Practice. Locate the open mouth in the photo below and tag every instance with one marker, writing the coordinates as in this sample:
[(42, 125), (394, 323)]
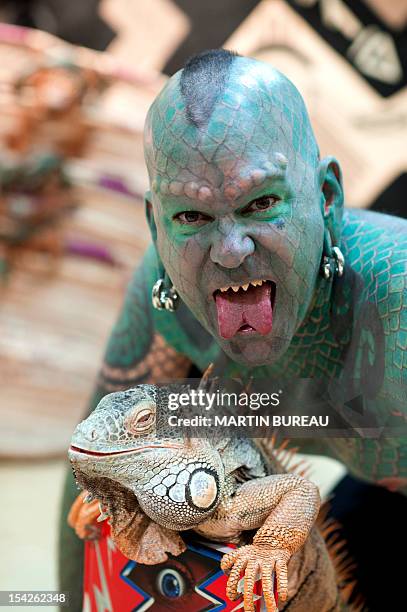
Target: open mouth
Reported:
[(245, 309)]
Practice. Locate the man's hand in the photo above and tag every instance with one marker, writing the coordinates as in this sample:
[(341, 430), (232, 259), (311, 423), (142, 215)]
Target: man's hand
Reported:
[(83, 517)]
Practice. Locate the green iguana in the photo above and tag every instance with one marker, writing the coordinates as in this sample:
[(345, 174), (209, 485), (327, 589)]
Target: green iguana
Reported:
[(153, 487)]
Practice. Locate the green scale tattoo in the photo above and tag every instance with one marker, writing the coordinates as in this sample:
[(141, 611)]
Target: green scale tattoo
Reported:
[(239, 195)]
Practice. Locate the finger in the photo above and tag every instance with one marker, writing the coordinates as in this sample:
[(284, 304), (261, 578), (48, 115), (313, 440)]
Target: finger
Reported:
[(234, 578), (249, 581), (267, 580), (282, 580), (87, 515), (75, 509), (90, 512), (228, 560)]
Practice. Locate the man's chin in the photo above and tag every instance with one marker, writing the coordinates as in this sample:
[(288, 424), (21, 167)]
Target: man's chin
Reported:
[(254, 351)]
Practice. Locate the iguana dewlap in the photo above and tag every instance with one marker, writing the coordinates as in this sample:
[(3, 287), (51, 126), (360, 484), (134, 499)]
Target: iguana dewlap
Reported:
[(152, 488)]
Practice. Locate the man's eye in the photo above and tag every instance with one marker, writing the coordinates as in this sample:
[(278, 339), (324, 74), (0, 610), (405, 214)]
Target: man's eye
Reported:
[(192, 217), (261, 204)]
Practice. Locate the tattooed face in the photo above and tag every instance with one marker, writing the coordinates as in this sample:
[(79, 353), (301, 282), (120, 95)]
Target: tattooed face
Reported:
[(235, 208)]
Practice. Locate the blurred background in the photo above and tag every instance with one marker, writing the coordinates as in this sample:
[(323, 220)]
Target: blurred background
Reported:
[(76, 80)]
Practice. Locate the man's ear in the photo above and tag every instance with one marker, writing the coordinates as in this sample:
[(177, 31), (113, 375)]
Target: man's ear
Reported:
[(330, 184), (150, 216)]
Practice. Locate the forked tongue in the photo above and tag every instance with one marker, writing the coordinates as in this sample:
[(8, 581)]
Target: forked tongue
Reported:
[(252, 307)]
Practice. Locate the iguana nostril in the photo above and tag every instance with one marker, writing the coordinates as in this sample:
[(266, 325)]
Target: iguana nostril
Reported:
[(92, 435)]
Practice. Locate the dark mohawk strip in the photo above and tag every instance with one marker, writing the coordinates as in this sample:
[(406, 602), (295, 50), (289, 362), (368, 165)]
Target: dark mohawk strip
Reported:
[(203, 80)]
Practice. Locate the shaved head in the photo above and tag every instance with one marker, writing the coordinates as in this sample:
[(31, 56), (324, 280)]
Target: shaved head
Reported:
[(203, 80), (219, 94)]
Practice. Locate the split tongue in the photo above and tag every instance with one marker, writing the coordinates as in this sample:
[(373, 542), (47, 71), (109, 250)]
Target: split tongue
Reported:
[(251, 307)]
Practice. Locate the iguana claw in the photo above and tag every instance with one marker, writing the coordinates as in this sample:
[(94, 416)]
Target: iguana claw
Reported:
[(249, 560)]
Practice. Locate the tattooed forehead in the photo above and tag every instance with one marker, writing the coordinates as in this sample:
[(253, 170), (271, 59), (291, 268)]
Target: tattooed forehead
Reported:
[(236, 182), (258, 126)]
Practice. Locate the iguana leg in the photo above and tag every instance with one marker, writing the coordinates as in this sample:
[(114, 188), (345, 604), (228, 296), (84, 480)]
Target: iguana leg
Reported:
[(286, 506)]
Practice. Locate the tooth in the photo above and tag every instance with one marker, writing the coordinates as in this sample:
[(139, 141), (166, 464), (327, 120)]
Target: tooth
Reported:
[(260, 282), (254, 283), (236, 288), (223, 289), (245, 287)]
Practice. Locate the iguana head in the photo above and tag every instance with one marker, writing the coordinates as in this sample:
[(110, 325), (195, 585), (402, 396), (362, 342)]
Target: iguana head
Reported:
[(178, 482)]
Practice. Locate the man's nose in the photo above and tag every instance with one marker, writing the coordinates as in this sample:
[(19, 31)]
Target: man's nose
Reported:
[(231, 245)]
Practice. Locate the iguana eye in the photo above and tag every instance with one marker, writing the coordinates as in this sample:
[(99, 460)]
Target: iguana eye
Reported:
[(142, 417)]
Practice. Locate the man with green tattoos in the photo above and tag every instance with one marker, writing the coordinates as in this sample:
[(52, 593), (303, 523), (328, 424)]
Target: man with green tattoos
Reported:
[(256, 266)]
